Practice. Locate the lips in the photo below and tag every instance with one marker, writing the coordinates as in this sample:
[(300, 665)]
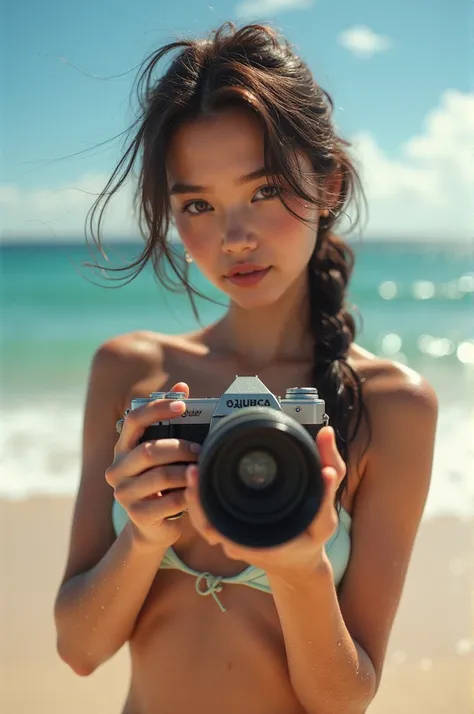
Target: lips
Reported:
[(245, 269), (247, 275)]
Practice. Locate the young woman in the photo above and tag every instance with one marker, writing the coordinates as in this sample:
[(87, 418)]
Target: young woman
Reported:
[(237, 149)]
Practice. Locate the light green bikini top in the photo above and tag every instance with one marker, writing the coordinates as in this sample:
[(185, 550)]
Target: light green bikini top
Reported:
[(338, 549)]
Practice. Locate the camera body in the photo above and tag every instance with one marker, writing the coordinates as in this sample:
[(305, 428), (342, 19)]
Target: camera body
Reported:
[(202, 415), (259, 468)]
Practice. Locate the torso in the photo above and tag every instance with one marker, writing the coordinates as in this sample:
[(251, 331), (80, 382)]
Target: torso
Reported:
[(186, 654)]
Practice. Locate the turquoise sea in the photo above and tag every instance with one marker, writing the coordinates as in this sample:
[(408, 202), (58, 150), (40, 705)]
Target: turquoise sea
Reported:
[(416, 305)]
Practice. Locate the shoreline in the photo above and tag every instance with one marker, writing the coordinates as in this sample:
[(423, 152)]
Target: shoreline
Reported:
[(428, 669)]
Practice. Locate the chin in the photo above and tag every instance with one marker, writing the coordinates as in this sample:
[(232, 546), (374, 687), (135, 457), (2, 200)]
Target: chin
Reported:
[(255, 298)]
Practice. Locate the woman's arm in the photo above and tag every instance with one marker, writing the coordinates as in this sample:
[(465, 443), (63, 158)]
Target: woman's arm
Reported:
[(106, 580), (336, 647), (329, 671), (96, 611)]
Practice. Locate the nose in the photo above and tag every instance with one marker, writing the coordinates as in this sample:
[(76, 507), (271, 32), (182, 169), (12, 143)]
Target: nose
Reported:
[(238, 237)]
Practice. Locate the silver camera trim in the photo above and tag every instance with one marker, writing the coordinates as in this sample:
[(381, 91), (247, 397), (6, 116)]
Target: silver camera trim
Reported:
[(301, 403)]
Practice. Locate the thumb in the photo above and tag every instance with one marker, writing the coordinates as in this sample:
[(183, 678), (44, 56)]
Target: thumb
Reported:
[(181, 387), (325, 444)]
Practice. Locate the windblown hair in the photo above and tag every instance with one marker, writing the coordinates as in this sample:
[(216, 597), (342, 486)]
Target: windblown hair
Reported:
[(251, 68)]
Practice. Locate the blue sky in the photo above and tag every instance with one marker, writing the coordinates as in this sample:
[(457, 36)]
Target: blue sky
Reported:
[(398, 74)]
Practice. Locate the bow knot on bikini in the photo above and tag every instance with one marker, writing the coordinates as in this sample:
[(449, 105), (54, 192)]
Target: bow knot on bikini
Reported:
[(213, 586)]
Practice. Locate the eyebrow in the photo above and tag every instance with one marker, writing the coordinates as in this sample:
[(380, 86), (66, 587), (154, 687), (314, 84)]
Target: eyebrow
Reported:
[(192, 188)]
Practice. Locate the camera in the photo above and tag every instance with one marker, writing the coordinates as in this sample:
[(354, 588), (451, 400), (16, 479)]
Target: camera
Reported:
[(259, 468)]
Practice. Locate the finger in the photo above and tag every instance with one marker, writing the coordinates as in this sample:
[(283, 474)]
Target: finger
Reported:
[(135, 423), (330, 456), (330, 480), (150, 483), (150, 454), (152, 511), (139, 419), (181, 387), (325, 443), (326, 516), (195, 510), (157, 453)]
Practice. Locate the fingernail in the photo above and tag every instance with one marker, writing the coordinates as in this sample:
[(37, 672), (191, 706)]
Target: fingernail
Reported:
[(195, 448), (177, 406)]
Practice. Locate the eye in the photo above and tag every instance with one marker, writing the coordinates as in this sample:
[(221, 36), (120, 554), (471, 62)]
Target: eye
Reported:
[(201, 206), (198, 204), (271, 192)]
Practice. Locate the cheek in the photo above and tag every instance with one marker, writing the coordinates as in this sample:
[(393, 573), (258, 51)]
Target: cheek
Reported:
[(194, 237), (294, 238)]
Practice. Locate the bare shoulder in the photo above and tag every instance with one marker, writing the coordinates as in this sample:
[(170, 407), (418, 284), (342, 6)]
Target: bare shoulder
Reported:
[(132, 349), (387, 383), (401, 405), (143, 360), (146, 347)]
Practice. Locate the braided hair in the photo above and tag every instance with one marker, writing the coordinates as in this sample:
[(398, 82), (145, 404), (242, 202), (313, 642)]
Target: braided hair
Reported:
[(333, 330)]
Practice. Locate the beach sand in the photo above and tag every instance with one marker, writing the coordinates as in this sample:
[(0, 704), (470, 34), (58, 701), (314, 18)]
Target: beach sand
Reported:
[(429, 668)]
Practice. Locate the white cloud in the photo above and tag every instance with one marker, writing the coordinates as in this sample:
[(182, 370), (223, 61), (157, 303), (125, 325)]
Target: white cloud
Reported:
[(50, 214), (258, 8), (425, 192), (363, 42)]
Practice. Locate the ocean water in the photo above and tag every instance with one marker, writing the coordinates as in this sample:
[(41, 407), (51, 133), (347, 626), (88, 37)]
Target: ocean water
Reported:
[(416, 305)]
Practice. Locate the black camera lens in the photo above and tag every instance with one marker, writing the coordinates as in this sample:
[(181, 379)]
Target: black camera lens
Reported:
[(260, 477)]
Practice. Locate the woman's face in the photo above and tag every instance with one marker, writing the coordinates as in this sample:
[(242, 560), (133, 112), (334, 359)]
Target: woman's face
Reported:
[(228, 223)]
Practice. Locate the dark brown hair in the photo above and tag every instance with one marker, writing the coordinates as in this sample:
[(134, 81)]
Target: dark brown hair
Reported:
[(251, 67)]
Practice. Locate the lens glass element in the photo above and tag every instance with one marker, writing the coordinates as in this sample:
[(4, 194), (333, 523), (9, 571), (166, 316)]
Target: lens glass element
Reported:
[(257, 469)]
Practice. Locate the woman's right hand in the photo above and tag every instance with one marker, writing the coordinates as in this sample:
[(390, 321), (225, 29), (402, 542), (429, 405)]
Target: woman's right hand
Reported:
[(140, 472)]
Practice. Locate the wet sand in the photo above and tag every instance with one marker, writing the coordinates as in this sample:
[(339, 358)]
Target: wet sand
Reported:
[(430, 662)]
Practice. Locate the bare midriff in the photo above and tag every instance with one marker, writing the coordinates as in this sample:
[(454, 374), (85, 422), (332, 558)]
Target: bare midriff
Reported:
[(188, 656)]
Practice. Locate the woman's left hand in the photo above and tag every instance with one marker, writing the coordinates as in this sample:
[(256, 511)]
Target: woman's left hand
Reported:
[(300, 555)]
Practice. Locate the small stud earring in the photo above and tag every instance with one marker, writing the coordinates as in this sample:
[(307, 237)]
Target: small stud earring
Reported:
[(325, 213), (187, 257)]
